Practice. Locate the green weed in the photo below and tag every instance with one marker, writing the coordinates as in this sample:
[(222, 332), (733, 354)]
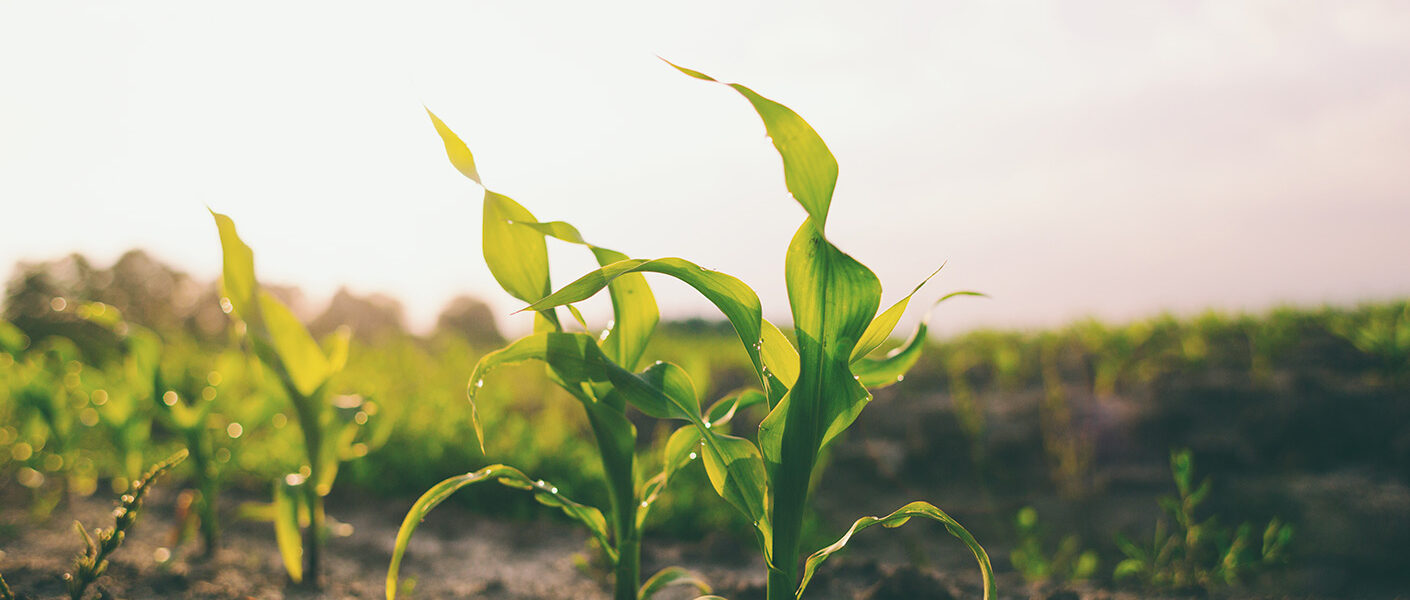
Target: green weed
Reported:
[(1199, 553), (93, 561), (1068, 563)]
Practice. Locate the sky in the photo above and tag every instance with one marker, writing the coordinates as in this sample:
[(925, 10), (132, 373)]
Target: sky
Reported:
[(1112, 159)]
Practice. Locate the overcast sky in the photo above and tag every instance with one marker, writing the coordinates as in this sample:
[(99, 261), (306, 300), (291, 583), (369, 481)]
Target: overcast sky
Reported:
[(1068, 158)]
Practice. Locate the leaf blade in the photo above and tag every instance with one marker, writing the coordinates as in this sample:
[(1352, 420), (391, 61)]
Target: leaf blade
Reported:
[(509, 476), (896, 519)]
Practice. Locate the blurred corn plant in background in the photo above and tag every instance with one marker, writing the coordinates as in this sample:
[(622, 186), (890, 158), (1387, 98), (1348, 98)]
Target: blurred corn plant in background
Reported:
[(330, 423)]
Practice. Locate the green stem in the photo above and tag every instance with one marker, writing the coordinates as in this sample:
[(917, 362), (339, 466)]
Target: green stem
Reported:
[(200, 444), (628, 571), (618, 466), (313, 539), (790, 500)]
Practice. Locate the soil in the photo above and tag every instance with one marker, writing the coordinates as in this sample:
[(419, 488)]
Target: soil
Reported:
[(1260, 446)]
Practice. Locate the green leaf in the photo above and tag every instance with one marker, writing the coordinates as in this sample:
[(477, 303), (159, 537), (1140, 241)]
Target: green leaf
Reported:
[(724, 409), (299, 356), (881, 327), (736, 300), (237, 279), (833, 299), (896, 519), (335, 346), (516, 255), (781, 359), (545, 493), (286, 528), (670, 576), (877, 373), (634, 311), (456, 150), (663, 392), (279, 337), (809, 169)]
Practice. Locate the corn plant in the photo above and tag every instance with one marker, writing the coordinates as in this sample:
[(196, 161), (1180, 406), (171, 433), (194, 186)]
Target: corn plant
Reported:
[(515, 250), (329, 423), (93, 561), (814, 392), (1195, 552), (48, 398)]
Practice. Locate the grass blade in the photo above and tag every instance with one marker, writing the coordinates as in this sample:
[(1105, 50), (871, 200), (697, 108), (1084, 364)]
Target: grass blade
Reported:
[(543, 492), (897, 519)]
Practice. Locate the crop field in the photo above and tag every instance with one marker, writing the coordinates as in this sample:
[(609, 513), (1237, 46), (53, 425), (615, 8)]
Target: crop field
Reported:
[(219, 446)]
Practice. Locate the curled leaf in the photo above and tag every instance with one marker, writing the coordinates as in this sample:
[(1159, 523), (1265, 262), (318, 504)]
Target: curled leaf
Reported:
[(897, 519), (545, 493)]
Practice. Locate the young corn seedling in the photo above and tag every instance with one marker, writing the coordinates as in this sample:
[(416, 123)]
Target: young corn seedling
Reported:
[(330, 424), (91, 564), (814, 392), (515, 250)]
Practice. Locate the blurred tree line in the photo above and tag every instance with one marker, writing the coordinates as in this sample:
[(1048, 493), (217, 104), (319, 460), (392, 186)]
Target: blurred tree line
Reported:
[(152, 293)]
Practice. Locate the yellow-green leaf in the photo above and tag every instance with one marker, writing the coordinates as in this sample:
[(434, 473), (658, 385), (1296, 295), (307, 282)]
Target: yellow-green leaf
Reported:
[(897, 519)]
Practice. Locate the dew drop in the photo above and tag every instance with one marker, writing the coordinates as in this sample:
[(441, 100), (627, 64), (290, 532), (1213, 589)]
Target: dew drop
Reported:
[(234, 430), (226, 306), (645, 504), (553, 490), (900, 378), (169, 398), (480, 383), (707, 424), (692, 456)]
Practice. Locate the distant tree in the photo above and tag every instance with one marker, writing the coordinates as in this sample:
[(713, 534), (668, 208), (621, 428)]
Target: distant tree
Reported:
[(471, 319), (371, 317)]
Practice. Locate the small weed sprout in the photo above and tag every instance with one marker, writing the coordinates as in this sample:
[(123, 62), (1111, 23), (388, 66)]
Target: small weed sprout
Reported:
[(1069, 563), (1199, 553), (93, 561)]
